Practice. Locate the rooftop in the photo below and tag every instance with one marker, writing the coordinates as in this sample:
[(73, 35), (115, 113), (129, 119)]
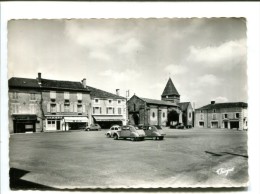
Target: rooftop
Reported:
[(184, 105), (97, 93), (223, 105), (23, 82), (158, 102), (170, 89)]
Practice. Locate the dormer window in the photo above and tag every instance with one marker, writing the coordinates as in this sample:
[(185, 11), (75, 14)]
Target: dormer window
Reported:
[(118, 101), (109, 101), (96, 100)]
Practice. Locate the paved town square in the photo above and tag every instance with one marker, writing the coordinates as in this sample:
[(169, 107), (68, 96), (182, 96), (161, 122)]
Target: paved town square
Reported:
[(81, 159)]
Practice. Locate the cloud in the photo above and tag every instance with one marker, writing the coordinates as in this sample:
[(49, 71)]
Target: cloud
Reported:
[(225, 56), (208, 80), (99, 55), (130, 46), (157, 86), (220, 99), (126, 75), (176, 69)]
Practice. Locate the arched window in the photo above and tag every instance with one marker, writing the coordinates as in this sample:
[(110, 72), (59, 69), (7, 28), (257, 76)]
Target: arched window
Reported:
[(134, 107), (163, 115), (153, 114)]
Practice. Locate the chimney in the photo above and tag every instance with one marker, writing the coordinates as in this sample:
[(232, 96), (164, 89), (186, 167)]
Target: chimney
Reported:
[(117, 92), (84, 83), (212, 102), (39, 78)]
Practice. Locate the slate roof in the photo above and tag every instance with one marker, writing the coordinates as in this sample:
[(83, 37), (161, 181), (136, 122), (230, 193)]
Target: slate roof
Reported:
[(97, 93), (184, 105), (158, 102), (23, 82), (59, 84), (170, 89), (223, 105)]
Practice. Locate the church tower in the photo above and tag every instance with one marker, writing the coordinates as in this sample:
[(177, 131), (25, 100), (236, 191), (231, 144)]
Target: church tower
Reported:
[(170, 93)]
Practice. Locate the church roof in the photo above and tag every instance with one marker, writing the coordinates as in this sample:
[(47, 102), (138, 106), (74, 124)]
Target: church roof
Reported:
[(158, 102), (170, 89), (184, 105)]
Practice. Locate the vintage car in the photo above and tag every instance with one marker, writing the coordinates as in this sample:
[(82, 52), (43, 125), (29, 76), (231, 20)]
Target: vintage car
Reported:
[(93, 127), (177, 126), (154, 132), (112, 130), (129, 131)]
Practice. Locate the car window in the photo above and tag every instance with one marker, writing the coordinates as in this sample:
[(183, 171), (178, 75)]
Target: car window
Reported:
[(116, 128), (112, 128)]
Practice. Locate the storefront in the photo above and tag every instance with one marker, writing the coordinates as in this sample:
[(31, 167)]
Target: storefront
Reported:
[(53, 123), (106, 121), (24, 123), (75, 123)]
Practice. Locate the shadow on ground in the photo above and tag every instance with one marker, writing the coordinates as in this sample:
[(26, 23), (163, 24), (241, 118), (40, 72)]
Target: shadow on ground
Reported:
[(16, 183)]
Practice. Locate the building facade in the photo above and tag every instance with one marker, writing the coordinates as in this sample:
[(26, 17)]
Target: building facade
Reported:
[(187, 114), (107, 109), (232, 115), (146, 111), (37, 105), (66, 105), (25, 113)]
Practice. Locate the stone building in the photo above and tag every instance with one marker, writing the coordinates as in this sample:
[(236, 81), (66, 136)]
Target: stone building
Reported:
[(107, 108), (231, 115), (156, 112), (37, 105), (25, 113), (66, 105), (187, 114)]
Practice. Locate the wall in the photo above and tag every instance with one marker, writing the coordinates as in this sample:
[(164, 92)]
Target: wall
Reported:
[(23, 106)]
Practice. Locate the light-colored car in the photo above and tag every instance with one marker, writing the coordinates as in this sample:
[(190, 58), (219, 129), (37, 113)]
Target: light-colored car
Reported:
[(93, 127), (112, 130), (154, 131), (129, 131)]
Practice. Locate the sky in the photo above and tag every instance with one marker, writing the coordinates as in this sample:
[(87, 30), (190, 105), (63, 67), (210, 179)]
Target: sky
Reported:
[(205, 58)]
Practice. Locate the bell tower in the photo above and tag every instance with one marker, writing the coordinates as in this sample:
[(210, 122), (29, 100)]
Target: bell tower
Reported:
[(170, 93)]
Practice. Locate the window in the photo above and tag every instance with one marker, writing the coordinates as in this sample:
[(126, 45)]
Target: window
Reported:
[(32, 96), (109, 110), (163, 115), (52, 94), (66, 95), (66, 107), (153, 114), (80, 109), (214, 116), (118, 101), (119, 111), (201, 116), (53, 108), (214, 110), (189, 114), (109, 101), (96, 101), (97, 110), (79, 96), (15, 95), (237, 115), (134, 107), (201, 111), (225, 116)]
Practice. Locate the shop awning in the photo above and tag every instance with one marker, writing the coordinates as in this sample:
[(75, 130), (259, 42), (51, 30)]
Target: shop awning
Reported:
[(76, 119), (108, 117)]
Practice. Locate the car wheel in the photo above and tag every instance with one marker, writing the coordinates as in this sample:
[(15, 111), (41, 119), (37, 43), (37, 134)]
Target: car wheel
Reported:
[(115, 137), (108, 135), (161, 138)]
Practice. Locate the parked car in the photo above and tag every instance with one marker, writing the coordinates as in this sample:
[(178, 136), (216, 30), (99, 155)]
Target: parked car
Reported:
[(112, 130), (177, 126), (129, 131), (154, 131), (93, 127)]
